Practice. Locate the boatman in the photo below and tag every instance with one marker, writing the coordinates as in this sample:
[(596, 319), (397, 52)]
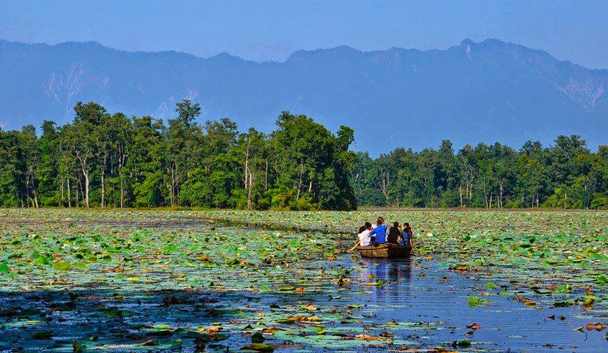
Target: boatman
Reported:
[(379, 233)]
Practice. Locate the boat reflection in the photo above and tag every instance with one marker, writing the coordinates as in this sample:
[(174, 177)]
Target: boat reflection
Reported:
[(393, 279)]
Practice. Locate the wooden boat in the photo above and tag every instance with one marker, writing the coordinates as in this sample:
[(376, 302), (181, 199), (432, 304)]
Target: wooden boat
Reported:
[(385, 251)]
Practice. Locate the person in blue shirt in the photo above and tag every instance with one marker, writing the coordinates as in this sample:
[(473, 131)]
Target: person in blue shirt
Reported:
[(407, 235), (379, 233)]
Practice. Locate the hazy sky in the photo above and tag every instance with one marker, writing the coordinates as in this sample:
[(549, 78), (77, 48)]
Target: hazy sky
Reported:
[(273, 29)]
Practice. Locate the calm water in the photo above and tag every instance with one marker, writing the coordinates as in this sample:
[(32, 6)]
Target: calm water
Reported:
[(423, 292)]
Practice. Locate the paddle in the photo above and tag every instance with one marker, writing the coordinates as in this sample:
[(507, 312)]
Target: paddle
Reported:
[(354, 247)]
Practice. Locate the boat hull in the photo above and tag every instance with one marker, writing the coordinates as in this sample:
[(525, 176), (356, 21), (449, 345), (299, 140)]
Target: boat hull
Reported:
[(384, 251)]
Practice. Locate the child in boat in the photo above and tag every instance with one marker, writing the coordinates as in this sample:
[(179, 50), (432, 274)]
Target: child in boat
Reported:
[(407, 235), (359, 236), (378, 234), (394, 235)]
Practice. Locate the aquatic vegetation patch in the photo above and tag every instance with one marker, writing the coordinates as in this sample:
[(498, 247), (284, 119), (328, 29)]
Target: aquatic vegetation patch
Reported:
[(264, 281), (555, 254)]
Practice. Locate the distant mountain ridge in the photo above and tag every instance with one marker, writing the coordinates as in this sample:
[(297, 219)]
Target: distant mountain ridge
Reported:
[(487, 91)]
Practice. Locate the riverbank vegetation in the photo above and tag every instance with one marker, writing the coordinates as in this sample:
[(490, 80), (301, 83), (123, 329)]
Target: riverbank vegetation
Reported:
[(111, 160)]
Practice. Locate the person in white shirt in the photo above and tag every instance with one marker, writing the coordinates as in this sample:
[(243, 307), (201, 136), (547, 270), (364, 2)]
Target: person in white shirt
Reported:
[(364, 239)]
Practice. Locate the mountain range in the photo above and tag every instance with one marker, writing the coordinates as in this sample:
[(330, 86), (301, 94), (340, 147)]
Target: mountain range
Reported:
[(474, 92)]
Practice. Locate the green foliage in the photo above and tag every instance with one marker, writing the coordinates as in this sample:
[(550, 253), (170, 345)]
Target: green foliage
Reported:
[(109, 160), (566, 175)]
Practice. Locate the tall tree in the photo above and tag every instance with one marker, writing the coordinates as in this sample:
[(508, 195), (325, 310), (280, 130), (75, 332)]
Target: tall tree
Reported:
[(182, 137)]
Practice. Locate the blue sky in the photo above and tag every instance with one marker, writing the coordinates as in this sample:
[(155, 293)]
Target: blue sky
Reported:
[(273, 29)]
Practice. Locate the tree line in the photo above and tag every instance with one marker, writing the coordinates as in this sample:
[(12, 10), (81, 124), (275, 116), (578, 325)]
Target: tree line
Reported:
[(565, 175), (111, 160)]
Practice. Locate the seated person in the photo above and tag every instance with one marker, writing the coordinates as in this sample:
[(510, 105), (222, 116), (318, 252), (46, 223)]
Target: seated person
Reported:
[(379, 219), (379, 233), (407, 235), (394, 234), (364, 239)]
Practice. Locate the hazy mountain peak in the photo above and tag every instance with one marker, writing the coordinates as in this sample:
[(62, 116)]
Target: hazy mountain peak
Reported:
[(300, 55), (225, 56), (466, 42), (90, 44), (476, 91)]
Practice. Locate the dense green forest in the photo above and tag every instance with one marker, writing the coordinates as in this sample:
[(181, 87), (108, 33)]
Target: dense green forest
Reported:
[(111, 160), (566, 175)]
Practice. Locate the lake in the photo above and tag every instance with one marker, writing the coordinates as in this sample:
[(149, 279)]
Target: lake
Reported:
[(207, 281)]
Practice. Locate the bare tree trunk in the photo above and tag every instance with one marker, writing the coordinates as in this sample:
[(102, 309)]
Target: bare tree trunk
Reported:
[(78, 193), (301, 181), (86, 190), (470, 191), (500, 192), (485, 193), (27, 190), (34, 193), (385, 185), (69, 193), (266, 176), (85, 173), (247, 164), (250, 192), (175, 186), (62, 199), (460, 193), (103, 189), (30, 187), (172, 195), (532, 201), (121, 163)]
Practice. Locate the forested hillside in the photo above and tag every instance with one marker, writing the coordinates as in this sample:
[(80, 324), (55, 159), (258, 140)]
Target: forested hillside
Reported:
[(111, 160), (473, 92)]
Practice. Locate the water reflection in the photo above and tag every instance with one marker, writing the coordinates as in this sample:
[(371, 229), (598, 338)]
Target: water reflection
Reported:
[(435, 301), (393, 279)]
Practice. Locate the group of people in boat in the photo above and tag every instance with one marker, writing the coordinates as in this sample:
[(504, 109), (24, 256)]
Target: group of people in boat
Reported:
[(380, 233)]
